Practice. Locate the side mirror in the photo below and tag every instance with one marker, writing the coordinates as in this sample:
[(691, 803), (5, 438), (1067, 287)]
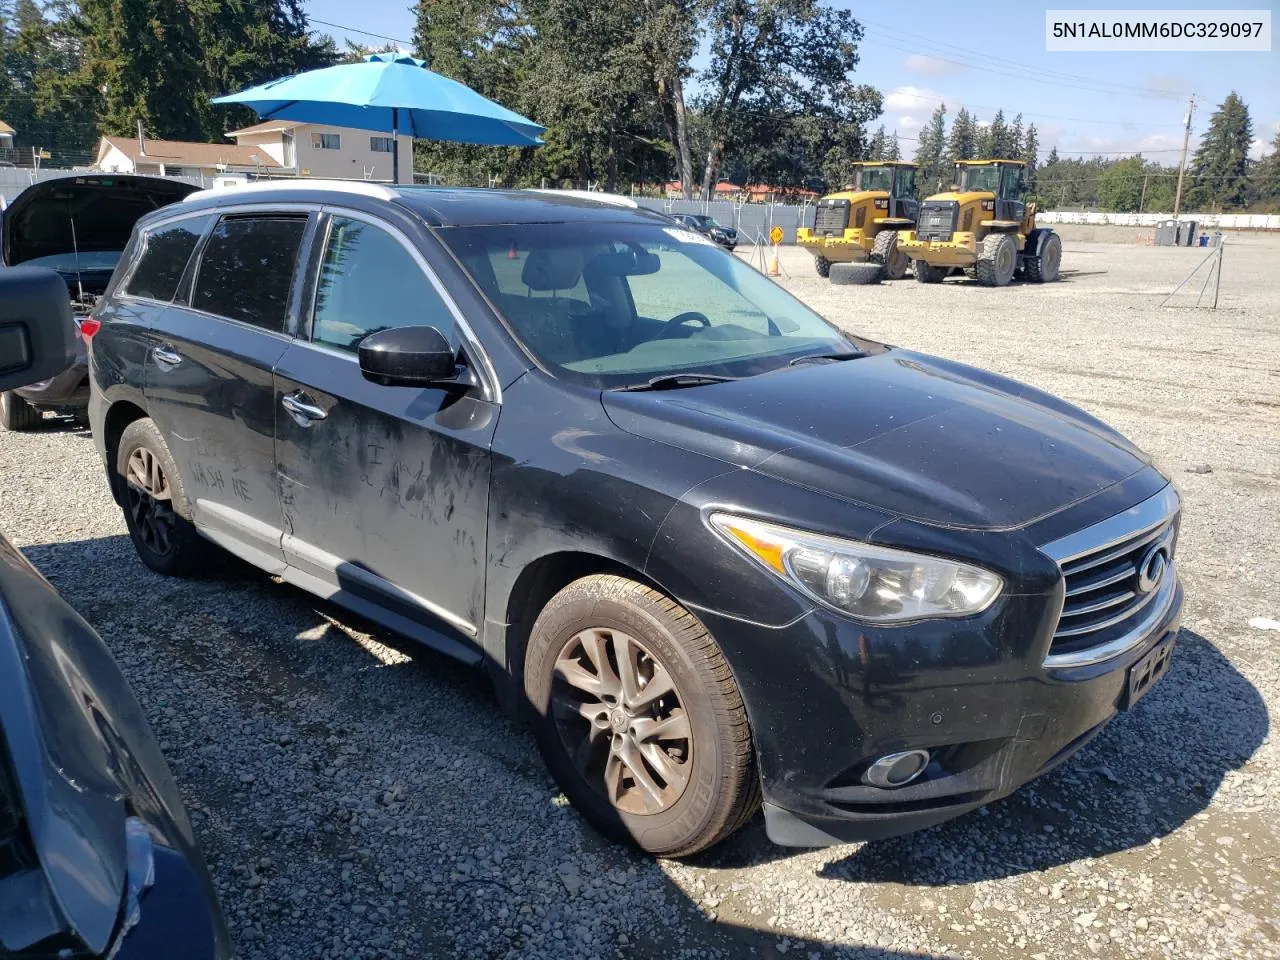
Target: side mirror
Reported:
[(37, 334), (411, 357)]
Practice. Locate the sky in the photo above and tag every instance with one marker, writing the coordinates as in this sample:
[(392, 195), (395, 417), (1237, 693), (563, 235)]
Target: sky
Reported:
[(991, 55)]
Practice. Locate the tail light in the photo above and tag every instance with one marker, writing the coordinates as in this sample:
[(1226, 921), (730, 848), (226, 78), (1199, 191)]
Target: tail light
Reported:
[(89, 326)]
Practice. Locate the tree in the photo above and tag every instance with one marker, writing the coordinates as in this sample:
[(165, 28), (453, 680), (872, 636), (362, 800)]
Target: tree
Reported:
[(994, 141), (1016, 138), (1053, 155), (1221, 166), (1030, 156), (875, 150), (1120, 185), (892, 149), (962, 144), (1268, 174), (793, 57), (929, 150)]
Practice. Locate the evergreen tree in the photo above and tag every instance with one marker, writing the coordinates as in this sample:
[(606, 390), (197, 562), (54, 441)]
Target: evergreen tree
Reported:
[(929, 151), (1220, 169), (877, 147), (1053, 156), (1016, 140), (993, 141), (1268, 174), (1030, 156), (892, 149), (962, 144)]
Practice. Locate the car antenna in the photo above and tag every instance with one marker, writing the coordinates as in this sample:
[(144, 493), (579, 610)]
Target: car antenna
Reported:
[(75, 249)]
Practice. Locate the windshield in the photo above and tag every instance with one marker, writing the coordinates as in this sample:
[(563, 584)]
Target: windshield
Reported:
[(980, 178), (618, 304), (876, 178)]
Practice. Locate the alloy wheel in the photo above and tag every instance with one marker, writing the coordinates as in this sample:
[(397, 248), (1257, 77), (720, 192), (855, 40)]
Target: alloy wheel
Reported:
[(621, 721), (150, 501)]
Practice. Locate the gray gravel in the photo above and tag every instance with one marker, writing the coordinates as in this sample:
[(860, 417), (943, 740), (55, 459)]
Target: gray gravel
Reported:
[(359, 797)]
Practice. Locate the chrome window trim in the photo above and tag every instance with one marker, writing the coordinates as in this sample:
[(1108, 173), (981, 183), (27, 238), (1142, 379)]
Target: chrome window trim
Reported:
[(488, 376), (358, 187), (1139, 519)]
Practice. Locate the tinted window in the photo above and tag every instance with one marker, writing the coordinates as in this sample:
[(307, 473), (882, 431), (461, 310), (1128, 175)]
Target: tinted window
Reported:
[(369, 282), (165, 253), (247, 268)]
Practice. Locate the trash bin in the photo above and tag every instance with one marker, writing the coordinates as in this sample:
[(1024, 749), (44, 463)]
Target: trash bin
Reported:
[(1217, 239), (1204, 239)]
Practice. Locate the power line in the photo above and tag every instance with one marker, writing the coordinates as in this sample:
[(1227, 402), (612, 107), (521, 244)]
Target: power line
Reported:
[(367, 33)]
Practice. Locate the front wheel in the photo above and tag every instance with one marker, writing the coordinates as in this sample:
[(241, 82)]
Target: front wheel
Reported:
[(822, 265), (926, 273), (638, 717)]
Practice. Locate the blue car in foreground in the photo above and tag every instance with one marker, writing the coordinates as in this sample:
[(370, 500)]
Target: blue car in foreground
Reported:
[(97, 857)]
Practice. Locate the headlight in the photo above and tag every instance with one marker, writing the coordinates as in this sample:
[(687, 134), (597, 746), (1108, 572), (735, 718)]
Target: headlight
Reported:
[(861, 580)]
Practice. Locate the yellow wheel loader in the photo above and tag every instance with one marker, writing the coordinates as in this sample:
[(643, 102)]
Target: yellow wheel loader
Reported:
[(982, 227), (861, 224)]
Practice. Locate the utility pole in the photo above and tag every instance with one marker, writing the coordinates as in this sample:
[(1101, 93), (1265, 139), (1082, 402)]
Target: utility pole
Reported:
[(1142, 202), (1182, 166)]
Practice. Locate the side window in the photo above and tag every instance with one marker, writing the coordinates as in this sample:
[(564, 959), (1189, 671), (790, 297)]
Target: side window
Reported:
[(247, 267), (369, 282), (1012, 183), (165, 252)]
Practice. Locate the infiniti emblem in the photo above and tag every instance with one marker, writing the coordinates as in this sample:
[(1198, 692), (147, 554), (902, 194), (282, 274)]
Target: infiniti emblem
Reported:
[(1151, 568)]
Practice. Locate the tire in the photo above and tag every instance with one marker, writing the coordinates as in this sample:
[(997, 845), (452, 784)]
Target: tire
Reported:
[(822, 265), (16, 414), (1044, 267), (998, 260), (710, 788), (928, 274), (886, 253), (856, 274), (159, 525)]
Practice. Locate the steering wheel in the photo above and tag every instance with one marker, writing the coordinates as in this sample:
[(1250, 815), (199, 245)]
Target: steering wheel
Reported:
[(680, 319)]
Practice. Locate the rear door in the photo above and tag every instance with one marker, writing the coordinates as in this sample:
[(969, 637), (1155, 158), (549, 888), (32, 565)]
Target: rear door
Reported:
[(209, 385), (384, 490)]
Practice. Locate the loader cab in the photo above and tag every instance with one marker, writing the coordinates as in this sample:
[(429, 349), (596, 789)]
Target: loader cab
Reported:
[(898, 180), (1003, 178)]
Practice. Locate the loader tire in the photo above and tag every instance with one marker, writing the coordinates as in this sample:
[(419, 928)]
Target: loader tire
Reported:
[(929, 274), (822, 265), (856, 274), (886, 252), (1043, 268), (998, 260)]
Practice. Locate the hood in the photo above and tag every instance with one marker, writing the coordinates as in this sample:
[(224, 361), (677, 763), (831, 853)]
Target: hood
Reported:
[(104, 208), (858, 196), (912, 435), (963, 197)]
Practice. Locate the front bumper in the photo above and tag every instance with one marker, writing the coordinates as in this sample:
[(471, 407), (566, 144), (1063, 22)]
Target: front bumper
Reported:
[(850, 248), (960, 251), (993, 717)]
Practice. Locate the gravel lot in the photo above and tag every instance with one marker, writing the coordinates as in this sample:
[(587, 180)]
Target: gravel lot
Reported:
[(359, 797)]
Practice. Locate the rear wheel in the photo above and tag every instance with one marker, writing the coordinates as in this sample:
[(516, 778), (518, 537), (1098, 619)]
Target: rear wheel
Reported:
[(156, 509), (16, 414), (856, 274), (822, 265), (998, 260), (886, 252), (638, 717), (1044, 267), (928, 274)]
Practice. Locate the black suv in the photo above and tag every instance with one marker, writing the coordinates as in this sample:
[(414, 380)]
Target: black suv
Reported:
[(727, 237), (715, 546)]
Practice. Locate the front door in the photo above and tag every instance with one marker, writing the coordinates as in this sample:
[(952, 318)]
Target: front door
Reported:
[(209, 386), (384, 490)]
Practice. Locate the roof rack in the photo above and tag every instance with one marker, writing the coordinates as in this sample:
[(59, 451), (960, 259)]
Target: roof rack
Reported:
[(361, 187)]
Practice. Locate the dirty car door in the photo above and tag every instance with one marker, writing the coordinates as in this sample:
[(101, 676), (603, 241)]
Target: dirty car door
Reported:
[(209, 385), (384, 490)]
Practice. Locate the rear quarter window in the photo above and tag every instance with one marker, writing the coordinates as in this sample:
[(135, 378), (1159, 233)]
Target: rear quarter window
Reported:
[(246, 270), (165, 252)]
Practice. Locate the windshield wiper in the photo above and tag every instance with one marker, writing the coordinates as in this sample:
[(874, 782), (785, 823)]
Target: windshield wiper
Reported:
[(837, 355), (674, 381)]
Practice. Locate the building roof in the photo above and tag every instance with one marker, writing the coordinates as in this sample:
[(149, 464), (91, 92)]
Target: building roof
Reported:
[(269, 126), (183, 153), (5, 128)]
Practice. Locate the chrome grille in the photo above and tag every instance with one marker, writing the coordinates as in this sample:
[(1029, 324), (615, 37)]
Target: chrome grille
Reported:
[(1119, 578)]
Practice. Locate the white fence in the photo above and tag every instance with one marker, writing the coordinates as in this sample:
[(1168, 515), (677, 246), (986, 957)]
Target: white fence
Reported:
[(1219, 221)]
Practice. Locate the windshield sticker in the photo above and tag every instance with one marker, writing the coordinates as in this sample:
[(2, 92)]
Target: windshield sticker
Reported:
[(687, 236)]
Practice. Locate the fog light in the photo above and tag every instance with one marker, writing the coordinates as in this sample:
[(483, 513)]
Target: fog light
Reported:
[(897, 769)]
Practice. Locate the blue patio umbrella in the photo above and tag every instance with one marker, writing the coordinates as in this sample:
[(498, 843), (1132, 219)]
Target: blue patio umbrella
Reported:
[(392, 93)]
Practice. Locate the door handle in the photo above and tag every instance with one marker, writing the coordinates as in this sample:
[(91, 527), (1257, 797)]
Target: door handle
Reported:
[(300, 409), (165, 358)]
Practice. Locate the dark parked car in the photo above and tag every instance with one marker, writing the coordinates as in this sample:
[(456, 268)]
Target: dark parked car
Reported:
[(727, 237), (717, 546), (77, 226), (97, 858)]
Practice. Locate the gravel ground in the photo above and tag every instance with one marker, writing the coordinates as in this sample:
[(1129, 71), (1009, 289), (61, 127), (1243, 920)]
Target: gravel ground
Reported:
[(358, 797)]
